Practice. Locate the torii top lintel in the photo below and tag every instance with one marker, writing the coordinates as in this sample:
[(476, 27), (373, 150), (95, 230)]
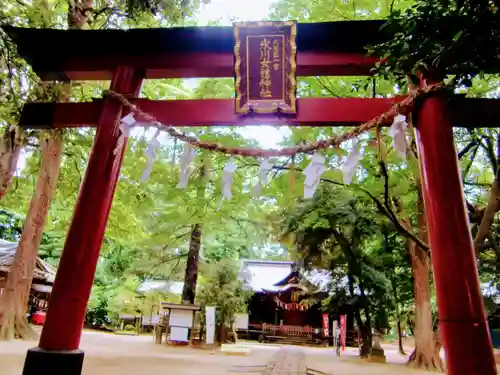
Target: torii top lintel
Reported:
[(329, 48)]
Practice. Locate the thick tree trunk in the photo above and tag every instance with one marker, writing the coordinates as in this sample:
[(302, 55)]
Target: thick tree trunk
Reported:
[(364, 327), (13, 302), (426, 353), (10, 149), (365, 331), (191, 275)]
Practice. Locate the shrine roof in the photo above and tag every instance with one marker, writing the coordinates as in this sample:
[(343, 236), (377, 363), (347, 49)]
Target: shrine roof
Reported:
[(274, 276), (161, 286), (52, 51), (43, 272), (260, 275)]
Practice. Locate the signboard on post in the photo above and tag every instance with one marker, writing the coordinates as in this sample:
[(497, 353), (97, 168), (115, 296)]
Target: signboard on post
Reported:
[(264, 67), (326, 324), (336, 336), (241, 321), (343, 328), (210, 324)]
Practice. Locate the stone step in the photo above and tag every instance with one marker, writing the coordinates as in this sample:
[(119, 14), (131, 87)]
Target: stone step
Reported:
[(234, 349)]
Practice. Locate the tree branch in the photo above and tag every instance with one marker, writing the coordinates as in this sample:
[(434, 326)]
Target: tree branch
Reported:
[(489, 212), (488, 148), (326, 88), (471, 161), (238, 219), (382, 208), (466, 149), (169, 259)]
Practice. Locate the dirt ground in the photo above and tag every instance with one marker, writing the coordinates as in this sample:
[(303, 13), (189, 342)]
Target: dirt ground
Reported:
[(109, 354)]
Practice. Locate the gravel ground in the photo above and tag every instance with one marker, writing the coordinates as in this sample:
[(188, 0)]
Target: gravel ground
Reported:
[(109, 354)]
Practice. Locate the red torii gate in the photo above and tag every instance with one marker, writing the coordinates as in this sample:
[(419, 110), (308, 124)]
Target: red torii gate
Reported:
[(127, 57)]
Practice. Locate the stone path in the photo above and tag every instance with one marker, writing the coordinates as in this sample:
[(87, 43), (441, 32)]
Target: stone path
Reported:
[(287, 361)]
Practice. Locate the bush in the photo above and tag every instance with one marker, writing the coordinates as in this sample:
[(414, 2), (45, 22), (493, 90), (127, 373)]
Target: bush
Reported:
[(129, 327), (223, 289), (97, 315)]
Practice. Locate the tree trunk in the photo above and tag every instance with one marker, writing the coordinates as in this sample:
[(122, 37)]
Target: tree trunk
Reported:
[(366, 331), (354, 270), (426, 353), (400, 336), (193, 257), (398, 314), (10, 149), (366, 337), (13, 302), (365, 334), (191, 275), (489, 212), (364, 328), (392, 278)]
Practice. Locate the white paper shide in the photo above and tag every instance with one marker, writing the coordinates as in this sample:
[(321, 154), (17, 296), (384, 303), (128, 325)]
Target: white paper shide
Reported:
[(397, 132), (227, 179), (153, 145), (126, 124), (186, 159), (351, 163), (264, 170), (313, 174)]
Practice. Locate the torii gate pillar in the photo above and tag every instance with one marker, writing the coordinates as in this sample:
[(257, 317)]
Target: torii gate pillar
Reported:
[(462, 319), (58, 351)]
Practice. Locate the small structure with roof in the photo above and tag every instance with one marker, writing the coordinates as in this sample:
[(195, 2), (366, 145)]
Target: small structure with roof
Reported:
[(43, 276), (180, 321)]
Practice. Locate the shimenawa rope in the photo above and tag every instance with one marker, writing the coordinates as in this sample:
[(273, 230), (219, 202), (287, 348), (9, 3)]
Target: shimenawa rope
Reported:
[(401, 107)]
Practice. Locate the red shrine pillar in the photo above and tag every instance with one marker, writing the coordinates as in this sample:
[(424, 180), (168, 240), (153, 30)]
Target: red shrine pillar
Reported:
[(58, 351), (462, 319)]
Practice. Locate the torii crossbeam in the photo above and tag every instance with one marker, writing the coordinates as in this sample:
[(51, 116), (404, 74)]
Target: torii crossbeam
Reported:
[(127, 57)]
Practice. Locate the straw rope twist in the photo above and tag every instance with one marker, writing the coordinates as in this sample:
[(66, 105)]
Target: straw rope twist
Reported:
[(402, 107)]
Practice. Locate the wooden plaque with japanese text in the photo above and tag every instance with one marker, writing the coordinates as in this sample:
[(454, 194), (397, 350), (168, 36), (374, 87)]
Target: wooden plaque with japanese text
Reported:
[(265, 64)]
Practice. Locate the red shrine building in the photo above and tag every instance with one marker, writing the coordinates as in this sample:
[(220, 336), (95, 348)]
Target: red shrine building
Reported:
[(279, 290), (288, 301), (265, 59)]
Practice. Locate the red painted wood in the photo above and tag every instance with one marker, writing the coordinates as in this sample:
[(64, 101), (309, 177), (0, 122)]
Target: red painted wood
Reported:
[(213, 112), (75, 274), (462, 320), (211, 64), (216, 112), (312, 111)]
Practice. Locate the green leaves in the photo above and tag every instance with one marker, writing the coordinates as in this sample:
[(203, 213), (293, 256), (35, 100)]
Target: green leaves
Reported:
[(222, 287), (463, 42)]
